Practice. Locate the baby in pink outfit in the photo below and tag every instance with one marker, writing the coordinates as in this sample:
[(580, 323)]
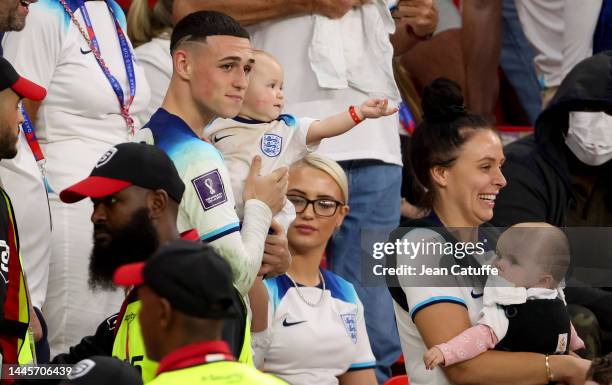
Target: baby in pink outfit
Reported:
[(532, 262)]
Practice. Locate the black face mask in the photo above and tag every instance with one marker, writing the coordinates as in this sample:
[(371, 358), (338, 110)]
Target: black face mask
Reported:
[(135, 242)]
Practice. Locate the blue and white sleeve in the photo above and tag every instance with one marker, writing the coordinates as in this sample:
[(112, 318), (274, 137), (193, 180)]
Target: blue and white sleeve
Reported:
[(364, 358), (420, 297), (208, 206)]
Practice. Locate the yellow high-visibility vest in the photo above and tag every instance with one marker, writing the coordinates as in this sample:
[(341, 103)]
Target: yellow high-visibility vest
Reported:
[(129, 345)]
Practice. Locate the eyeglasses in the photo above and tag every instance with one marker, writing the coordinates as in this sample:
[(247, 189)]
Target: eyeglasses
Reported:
[(323, 207)]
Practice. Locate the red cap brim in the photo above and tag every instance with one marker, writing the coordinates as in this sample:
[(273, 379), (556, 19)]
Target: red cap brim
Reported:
[(29, 90), (129, 275), (93, 187)]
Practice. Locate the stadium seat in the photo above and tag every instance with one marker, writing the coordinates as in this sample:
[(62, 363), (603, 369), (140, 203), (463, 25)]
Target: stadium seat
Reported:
[(398, 380)]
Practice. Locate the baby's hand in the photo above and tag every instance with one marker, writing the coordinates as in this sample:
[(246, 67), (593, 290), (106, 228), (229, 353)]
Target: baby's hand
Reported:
[(432, 358), (375, 108)]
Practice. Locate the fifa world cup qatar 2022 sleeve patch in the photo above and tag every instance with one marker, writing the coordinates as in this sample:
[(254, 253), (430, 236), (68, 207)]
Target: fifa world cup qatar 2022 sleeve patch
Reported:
[(210, 189)]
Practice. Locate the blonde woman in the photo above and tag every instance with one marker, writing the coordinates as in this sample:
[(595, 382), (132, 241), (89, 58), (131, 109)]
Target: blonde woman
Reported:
[(149, 29), (316, 330)]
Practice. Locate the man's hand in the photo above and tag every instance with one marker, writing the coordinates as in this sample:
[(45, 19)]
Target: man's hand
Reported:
[(37, 331), (276, 258), (432, 358), (375, 108), (421, 16), (270, 189), (335, 9)]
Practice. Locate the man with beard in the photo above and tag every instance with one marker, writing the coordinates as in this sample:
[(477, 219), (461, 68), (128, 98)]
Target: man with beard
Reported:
[(136, 191), (14, 313), (13, 14)]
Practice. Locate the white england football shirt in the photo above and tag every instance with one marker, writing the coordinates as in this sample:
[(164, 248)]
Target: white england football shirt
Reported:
[(79, 118), (419, 298), (279, 143), (313, 345)]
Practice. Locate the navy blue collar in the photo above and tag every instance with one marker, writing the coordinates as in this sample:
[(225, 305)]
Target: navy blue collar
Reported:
[(434, 218), (248, 121), (288, 119), (162, 118)]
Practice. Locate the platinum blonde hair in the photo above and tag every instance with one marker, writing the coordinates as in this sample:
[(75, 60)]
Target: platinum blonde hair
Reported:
[(328, 166)]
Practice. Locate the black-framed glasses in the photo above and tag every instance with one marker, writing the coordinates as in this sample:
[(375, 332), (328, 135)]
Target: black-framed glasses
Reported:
[(324, 207)]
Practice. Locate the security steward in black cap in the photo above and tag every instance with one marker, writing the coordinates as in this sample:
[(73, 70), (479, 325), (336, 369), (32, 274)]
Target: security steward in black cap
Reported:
[(186, 293)]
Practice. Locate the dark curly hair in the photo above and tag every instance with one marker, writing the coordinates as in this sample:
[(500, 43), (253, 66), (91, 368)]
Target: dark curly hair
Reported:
[(437, 141)]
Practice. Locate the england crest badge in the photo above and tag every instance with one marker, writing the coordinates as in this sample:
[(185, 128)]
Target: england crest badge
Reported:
[(350, 323), (271, 145)]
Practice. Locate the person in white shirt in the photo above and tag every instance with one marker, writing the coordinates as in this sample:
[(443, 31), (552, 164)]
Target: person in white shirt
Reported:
[(456, 159), (338, 53), (149, 27), (561, 31), (280, 140), (90, 105), (313, 321)]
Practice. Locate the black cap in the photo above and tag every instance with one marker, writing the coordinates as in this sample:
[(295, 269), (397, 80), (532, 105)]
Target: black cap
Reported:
[(9, 78), (128, 164), (199, 25), (103, 370), (192, 276)]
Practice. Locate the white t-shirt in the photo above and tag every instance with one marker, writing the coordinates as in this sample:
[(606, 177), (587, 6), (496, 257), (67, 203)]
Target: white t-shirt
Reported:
[(466, 294), (289, 40), (279, 143), (80, 117), (313, 345), (154, 57), (561, 32)]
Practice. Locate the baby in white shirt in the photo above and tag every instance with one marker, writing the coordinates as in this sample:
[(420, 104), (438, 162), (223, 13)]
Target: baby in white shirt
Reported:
[(524, 307), (279, 139)]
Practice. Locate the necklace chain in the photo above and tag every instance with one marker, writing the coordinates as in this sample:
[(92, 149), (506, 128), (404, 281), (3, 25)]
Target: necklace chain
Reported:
[(125, 111), (297, 288), (80, 28)]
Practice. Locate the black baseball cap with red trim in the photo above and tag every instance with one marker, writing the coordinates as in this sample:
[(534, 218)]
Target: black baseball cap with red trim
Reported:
[(192, 276), (9, 78), (125, 165)]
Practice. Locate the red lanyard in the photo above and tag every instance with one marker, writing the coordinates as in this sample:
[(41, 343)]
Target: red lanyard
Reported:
[(195, 354)]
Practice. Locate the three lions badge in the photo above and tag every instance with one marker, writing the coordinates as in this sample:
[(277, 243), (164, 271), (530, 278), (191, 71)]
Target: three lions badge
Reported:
[(271, 145)]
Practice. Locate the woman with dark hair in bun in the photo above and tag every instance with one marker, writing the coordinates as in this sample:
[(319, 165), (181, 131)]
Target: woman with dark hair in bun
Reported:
[(456, 159)]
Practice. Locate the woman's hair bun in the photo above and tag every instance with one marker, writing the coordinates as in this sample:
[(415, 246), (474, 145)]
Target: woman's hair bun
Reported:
[(442, 101)]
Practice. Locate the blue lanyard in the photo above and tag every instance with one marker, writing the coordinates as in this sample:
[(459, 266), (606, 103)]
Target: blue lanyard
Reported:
[(125, 52)]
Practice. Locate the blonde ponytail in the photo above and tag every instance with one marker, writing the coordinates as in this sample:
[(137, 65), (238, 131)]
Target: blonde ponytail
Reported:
[(144, 24)]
